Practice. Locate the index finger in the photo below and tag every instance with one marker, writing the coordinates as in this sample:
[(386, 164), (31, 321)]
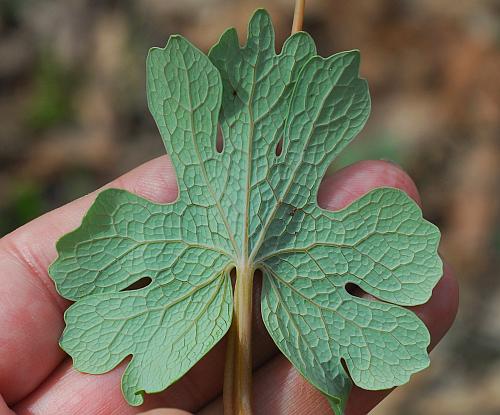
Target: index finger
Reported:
[(31, 310)]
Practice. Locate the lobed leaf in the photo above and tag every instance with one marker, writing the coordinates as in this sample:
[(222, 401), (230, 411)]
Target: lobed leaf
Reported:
[(251, 204)]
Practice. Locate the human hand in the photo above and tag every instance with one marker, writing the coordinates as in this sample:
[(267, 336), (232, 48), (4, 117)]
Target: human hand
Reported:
[(37, 378)]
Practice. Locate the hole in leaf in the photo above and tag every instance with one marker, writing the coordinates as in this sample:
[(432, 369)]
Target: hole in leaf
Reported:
[(219, 143), (354, 290), (344, 365), (232, 273), (279, 147), (142, 283)]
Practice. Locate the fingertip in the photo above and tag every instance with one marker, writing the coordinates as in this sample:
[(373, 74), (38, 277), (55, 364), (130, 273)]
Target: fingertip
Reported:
[(350, 183), (154, 180)]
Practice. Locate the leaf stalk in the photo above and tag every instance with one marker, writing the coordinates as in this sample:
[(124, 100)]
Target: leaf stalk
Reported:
[(238, 372), (298, 16)]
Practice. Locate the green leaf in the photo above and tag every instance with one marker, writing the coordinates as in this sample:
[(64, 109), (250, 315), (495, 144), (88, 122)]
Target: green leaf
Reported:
[(338, 403), (249, 206)]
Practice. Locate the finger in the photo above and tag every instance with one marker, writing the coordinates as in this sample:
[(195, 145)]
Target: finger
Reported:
[(280, 389), (76, 393), (30, 308), (350, 183)]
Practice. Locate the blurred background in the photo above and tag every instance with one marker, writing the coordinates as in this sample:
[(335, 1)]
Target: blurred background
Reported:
[(73, 115)]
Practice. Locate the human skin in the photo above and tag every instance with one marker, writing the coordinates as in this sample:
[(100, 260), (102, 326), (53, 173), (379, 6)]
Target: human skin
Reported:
[(37, 378)]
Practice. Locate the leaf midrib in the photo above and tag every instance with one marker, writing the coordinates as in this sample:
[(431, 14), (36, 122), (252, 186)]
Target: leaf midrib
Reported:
[(279, 202), (249, 161), (202, 165)]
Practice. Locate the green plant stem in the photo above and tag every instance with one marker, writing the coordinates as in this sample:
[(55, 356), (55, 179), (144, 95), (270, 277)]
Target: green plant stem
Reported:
[(298, 16), (238, 373), (237, 393)]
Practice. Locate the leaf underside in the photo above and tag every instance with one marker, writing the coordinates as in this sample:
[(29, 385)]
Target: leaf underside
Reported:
[(249, 204)]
